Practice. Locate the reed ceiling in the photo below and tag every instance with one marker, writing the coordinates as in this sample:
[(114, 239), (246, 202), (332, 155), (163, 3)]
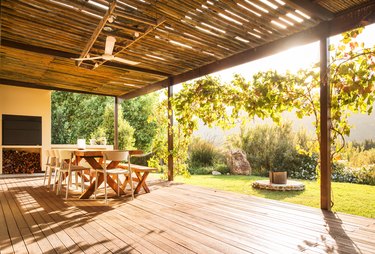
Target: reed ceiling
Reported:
[(159, 42)]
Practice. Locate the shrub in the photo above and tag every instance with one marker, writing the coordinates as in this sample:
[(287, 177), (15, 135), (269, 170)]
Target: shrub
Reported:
[(204, 158), (365, 145), (361, 175), (271, 147), (363, 158), (200, 170), (202, 153), (306, 168), (222, 168)]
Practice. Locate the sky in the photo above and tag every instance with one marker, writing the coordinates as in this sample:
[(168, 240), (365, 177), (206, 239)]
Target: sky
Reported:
[(292, 60)]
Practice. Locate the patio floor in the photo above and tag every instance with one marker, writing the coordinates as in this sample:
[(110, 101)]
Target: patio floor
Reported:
[(173, 218)]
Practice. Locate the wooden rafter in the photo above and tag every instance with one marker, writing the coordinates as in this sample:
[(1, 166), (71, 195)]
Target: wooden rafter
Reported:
[(131, 16), (194, 40), (58, 53), (97, 31), (338, 25), (128, 44), (10, 82), (312, 8)]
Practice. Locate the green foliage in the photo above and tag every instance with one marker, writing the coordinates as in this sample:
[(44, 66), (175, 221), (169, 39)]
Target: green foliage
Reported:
[(269, 94), (207, 99), (137, 111), (201, 153), (160, 143), (272, 147), (143, 160), (75, 115), (363, 175), (204, 158), (125, 131), (201, 170)]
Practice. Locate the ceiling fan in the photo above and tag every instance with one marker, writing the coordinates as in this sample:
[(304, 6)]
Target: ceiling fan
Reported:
[(107, 56)]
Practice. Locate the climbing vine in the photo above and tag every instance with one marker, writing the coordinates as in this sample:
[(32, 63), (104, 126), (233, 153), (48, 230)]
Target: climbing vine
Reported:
[(268, 94)]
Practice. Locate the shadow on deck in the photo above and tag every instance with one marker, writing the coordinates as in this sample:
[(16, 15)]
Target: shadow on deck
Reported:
[(173, 218)]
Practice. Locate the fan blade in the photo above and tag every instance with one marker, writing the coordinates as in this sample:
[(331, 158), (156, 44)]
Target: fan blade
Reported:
[(122, 60), (88, 58), (109, 45)]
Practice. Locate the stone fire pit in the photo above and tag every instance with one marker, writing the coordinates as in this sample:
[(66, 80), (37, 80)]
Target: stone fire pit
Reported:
[(289, 186)]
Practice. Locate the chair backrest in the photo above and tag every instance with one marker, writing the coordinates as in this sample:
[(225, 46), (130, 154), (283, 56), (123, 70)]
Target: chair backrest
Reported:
[(116, 155), (64, 156), (53, 157)]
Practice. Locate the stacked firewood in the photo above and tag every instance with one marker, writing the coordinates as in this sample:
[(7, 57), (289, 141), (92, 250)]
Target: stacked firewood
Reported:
[(21, 162)]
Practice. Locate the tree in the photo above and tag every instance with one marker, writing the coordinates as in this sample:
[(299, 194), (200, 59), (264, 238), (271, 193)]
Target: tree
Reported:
[(137, 112), (125, 131), (160, 143), (75, 115), (270, 93)]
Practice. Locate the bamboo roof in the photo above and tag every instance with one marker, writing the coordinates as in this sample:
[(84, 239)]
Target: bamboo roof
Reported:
[(164, 41)]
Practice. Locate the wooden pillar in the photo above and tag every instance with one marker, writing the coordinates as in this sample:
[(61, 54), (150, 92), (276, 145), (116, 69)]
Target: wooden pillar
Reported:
[(170, 131), (115, 141), (325, 137)]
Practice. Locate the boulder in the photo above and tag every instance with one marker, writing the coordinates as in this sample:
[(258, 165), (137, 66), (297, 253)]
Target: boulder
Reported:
[(238, 163), (216, 173)]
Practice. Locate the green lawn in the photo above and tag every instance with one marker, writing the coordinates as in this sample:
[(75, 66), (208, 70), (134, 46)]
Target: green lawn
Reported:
[(348, 198)]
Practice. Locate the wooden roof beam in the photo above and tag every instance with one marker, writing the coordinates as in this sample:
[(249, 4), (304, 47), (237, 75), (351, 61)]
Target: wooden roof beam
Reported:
[(57, 53), (97, 31), (17, 83), (128, 44), (338, 25), (134, 17), (312, 8)]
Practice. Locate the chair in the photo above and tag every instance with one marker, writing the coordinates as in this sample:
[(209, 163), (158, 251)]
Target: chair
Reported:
[(67, 167), (114, 156), (55, 153), (50, 166)]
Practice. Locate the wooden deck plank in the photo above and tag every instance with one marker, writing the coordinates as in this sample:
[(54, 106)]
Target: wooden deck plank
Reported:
[(173, 218), (15, 236), (320, 226), (317, 225), (5, 240), (23, 225), (264, 226), (81, 232)]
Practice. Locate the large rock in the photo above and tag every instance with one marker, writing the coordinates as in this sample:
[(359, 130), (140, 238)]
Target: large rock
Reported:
[(238, 163)]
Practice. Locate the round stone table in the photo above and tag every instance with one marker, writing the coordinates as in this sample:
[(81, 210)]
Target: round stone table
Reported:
[(289, 186)]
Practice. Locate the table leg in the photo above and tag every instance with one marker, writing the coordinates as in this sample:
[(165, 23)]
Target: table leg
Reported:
[(114, 185), (141, 182), (91, 189)]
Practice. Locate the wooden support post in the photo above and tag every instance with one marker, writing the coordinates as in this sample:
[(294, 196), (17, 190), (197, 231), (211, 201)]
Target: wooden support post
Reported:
[(115, 141), (170, 131), (325, 138)]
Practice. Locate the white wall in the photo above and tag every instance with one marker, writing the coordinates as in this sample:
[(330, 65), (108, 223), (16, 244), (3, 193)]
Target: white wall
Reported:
[(27, 101)]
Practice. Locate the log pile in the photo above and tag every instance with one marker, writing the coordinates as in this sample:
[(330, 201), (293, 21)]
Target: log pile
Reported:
[(21, 162)]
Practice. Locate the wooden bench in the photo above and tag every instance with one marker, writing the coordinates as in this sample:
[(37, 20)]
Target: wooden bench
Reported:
[(141, 172)]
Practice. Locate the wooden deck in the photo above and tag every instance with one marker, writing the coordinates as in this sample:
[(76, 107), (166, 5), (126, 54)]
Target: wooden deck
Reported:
[(172, 218)]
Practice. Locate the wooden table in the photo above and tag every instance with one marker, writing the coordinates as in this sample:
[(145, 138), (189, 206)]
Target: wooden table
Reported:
[(94, 157)]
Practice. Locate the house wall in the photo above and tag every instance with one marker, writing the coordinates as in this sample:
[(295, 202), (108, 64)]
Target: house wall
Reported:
[(27, 101)]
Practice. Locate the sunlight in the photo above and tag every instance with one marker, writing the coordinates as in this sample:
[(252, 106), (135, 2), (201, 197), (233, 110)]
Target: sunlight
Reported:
[(292, 59)]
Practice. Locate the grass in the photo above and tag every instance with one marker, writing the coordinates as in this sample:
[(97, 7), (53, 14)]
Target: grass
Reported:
[(349, 198)]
